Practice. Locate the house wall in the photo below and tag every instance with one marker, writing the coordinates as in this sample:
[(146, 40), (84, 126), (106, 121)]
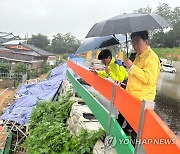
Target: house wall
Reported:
[(19, 47), (51, 60), (37, 65)]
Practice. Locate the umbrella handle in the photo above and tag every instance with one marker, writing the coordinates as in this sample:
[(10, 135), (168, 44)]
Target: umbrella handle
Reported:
[(127, 45), (126, 42)]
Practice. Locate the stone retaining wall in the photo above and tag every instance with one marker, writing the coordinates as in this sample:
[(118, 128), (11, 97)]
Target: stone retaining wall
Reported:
[(82, 117)]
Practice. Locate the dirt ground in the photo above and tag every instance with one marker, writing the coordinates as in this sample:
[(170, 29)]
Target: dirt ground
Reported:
[(7, 96), (43, 76)]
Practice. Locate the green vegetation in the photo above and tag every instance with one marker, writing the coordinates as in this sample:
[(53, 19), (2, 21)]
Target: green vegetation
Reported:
[(62, 58), (39, 40), (65, 56), (21, 68), (67, 43), (158, 38), (46, 67), (60, 44), (32, 73), (168, 53), (59, 60), (5, 67), (64, 43), (48, 132)]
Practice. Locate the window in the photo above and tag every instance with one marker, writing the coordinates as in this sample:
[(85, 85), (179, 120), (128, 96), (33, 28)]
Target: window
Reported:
[(167, 66), (19, 47)]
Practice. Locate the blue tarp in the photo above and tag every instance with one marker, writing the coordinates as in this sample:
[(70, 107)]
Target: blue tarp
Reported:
[(76, 59), (30, 94), (21, 109)]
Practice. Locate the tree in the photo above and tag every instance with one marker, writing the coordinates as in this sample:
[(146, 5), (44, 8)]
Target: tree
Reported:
[(39, 40), (158, 38), (64, 43), (21, 68), (46, 67), (164, 10), (146, 10), (176, 27), (5, 67), (170, 39)]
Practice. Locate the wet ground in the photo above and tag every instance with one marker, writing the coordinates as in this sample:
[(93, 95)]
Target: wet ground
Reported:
[(168, 100)]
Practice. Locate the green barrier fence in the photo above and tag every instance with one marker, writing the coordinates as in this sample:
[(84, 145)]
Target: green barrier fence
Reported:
[(102, 115)]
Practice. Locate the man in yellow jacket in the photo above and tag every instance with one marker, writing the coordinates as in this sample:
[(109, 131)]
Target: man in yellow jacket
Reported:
[(113, 68), (145, 70)]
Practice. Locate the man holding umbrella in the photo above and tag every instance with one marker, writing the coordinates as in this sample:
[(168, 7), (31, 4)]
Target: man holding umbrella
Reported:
[(143, 73), (145, 70)]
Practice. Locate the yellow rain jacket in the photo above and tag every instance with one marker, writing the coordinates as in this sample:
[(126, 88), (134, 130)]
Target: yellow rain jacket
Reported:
[(144, 75), (117, 73)]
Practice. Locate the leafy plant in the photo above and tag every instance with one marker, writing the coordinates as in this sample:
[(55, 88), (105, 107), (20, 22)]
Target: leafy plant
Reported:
[(32, 73), (65, 56), (5, 67), (84, 142), (21, 68), (46, 67), (48, 132), (58, 60)]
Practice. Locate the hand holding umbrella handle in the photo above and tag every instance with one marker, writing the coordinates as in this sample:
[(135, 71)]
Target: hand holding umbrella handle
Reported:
[(132, 56), (128, 63)]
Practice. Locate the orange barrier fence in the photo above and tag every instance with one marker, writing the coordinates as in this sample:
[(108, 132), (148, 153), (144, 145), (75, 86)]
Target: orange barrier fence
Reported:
[(101, 85), (162, 139), (123, 101), (128, 106), (156, 136)]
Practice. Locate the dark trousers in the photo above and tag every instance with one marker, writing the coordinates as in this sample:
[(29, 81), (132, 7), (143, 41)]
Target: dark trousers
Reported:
[(121, 121), (128, 126)]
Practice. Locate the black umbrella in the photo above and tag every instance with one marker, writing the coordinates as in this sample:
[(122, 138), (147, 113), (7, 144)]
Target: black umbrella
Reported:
[(100, 42), (128, 23)]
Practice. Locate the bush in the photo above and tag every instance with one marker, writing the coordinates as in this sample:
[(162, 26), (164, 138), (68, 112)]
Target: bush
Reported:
[(5, 67), (65, 56), (58, 60), (32, 73), (46, 67), (48, 132), (21, 68)]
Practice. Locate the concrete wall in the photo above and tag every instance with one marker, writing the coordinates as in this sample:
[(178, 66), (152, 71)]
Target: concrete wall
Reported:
[(7, 83), (82, 117)]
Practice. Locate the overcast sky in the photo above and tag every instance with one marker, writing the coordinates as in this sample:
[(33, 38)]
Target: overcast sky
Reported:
[(50, 17)]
